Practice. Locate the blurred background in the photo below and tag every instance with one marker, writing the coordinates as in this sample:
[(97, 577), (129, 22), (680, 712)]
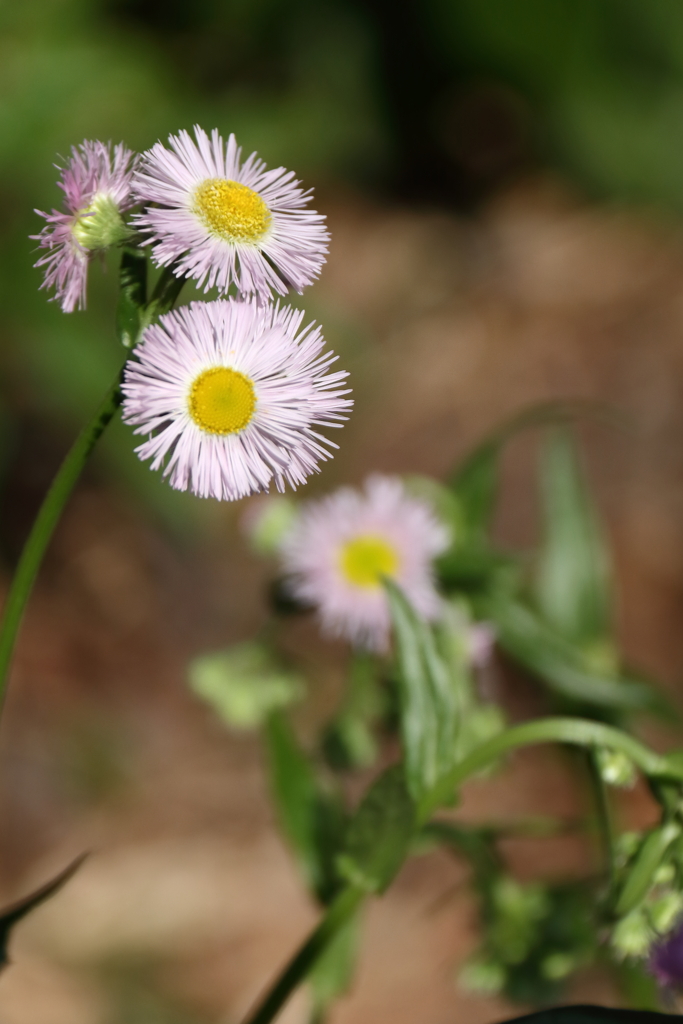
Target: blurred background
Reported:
[(504, 185)]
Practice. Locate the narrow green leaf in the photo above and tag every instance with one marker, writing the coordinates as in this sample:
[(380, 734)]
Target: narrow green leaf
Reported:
[(573, 580), (429, 699), (380, 833), (11, 915), (132, 296), (642, 872), (561, 665), (312, 820)]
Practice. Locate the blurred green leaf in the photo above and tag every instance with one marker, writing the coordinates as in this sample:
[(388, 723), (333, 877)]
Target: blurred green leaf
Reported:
[(244, 684), (642, 870), (11, 915), (573, 579), (429, 699), (380, 833), (561, 665), (475, 483), (312, 819), (475, 486)]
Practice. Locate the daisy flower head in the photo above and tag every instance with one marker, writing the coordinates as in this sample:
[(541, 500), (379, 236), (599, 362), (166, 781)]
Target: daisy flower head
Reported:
[(342, 546), (228, 394), (96, 183), (220, 220)]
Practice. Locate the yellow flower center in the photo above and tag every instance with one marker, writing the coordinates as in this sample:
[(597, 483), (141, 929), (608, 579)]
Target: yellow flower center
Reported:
[(231, 210), (365, 559), (222, 401)]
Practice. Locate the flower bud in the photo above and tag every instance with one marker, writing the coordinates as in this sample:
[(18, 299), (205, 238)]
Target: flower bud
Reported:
[(101, 224), (632, 936), (616, 769), (665, 911)]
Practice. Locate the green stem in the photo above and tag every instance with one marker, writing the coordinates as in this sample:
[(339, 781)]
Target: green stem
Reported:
[(301, 963), (604, 815), (44, 525), (578, 731)]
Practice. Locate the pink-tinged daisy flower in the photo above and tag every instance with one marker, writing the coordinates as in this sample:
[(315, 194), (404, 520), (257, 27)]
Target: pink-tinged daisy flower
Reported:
[(229, 393), (97, 190), (220, 220), (342, 546)]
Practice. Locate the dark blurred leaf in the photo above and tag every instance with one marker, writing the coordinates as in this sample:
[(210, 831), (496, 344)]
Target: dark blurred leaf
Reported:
[(471, 567), (638, 987), (593, 1015), (380, 833), (429, 701), (573, 572), (312, 820), (11, 915), (528, 639)]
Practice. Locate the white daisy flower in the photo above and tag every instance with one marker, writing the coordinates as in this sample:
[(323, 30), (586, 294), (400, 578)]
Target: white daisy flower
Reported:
[(343, 545), (228, 393), (220, 220)]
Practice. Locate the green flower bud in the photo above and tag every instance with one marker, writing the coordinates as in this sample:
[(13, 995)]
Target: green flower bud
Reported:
[(664, 875), (632, 936), (616, 768), (101, 224), (665, 911)]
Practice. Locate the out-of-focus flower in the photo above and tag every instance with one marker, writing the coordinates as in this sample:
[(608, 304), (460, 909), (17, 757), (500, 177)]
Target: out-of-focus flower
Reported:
[(481, 642), (229, 393), (666, 959), (97, 190), (220, 220), (342, 546)]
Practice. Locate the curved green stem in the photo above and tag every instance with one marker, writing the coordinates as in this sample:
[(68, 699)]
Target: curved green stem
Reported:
[(301, 963), (578, 731), (44, 525)]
